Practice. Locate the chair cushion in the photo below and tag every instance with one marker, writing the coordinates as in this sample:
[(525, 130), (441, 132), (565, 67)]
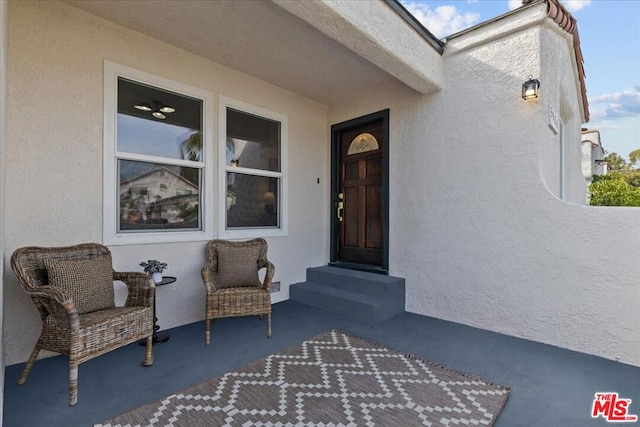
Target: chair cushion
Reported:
[(88, 281), (238, 266)]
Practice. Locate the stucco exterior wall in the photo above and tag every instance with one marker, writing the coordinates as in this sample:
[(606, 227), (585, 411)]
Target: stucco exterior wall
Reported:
[(557, 62), (3, 144), (55, 145), (476, 226)]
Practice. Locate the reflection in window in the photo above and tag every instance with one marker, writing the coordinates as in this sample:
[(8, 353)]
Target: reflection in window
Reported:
[(158, 197), (252, 141), (252, 192), (178, 135), (252, 201), (160, 159)]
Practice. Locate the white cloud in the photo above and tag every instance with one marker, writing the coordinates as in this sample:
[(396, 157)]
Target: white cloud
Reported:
[(575, 5), (570, 5), (443, 20), (514, 4), (618, 104)]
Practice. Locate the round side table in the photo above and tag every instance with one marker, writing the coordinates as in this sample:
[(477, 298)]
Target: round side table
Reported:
[(159, 338)]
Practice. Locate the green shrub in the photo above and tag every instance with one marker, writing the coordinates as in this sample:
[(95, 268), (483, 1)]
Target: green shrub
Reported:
[(613, 189)]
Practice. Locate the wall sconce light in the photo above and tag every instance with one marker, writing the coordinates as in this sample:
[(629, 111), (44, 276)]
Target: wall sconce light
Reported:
[(530, 88)]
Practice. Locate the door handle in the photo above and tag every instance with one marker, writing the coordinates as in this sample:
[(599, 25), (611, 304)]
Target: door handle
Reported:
[(340, 207)]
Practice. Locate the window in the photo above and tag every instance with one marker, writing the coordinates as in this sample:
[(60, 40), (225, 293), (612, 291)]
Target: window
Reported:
[(155, 156), (252, 170)]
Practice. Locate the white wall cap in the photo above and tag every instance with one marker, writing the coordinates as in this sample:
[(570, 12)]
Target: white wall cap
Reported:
[(489, 31)]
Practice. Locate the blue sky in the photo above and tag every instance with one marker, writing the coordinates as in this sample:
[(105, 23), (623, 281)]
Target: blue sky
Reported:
[(610, 41)]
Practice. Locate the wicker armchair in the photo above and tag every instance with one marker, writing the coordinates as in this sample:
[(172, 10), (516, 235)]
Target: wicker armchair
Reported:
[(90, 325), (230, 278)]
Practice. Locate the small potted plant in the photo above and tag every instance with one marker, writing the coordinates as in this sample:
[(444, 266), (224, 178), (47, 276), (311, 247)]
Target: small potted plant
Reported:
[(154, 269)]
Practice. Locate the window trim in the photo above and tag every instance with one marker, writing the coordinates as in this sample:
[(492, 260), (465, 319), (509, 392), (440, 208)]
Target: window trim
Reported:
[(110, 235), (244, 233)]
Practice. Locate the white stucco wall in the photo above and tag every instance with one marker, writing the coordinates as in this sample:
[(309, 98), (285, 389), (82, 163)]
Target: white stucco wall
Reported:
[(476, 226), (557, 63), (54, 157)]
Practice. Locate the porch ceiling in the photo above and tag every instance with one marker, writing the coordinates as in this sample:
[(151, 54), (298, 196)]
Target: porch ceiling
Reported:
[(262, 39)]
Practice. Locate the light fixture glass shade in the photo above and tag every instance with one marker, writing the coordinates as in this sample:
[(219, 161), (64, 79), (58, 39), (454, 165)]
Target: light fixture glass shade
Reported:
[(158, 115), (167, 109), (143, 107), (530, 88)]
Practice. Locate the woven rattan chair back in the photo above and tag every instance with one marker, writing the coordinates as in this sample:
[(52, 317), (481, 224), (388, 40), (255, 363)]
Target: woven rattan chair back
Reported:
[(28, 264)]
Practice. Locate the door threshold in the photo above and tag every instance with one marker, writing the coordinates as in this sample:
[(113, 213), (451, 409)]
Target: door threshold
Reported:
[(360, 267)]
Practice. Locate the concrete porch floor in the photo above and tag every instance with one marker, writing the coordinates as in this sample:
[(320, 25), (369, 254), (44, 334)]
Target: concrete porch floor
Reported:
[(550, 386)]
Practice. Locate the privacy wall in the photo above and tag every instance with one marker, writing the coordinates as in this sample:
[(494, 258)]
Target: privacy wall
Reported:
[(477, 227), (55, 157)]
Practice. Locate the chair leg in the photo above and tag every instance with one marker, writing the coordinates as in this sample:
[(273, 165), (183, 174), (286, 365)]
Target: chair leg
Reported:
[(29, 365), (73, 383), (269, 325), (148, 357), (207, 332)]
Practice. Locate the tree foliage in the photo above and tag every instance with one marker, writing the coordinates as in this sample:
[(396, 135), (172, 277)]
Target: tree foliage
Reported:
[(634, 158), (615, 189), (615, 162), (621, 185)]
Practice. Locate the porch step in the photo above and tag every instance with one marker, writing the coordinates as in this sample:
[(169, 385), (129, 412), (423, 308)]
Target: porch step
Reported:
[(364, 296)]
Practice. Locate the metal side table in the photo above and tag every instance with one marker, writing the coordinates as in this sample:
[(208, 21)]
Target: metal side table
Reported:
[(158, 338)]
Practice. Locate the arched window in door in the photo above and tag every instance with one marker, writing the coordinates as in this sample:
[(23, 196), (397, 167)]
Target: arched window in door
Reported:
[(363, 143)]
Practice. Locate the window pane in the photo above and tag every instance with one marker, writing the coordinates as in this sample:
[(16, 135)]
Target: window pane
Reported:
[(156, 122), (252, 141), (158, 197), (252, 201)]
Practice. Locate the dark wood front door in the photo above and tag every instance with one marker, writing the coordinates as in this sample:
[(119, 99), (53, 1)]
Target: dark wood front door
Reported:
[(360, 201)]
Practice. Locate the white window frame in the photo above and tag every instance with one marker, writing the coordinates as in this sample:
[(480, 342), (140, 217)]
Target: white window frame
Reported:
[(283, 199), (110, 235)]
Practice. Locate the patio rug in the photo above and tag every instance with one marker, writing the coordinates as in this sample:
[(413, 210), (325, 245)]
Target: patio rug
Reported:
[(333, 379)]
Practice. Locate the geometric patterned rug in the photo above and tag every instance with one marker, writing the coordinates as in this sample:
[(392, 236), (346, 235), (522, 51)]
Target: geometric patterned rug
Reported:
[(333, 379)]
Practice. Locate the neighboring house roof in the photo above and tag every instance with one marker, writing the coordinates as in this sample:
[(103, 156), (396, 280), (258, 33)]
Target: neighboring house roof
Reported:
[(156, 171)]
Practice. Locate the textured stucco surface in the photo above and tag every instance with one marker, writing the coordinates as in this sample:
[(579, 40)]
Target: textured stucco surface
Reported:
[(54, 156), (383, 38), (476, 226), (261, 39)]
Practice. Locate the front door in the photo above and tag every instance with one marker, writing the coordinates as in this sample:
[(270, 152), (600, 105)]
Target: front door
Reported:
[(360, 185)]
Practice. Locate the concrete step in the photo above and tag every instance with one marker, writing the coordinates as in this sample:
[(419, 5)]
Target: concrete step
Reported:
[(368, 297), (354, 280)]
